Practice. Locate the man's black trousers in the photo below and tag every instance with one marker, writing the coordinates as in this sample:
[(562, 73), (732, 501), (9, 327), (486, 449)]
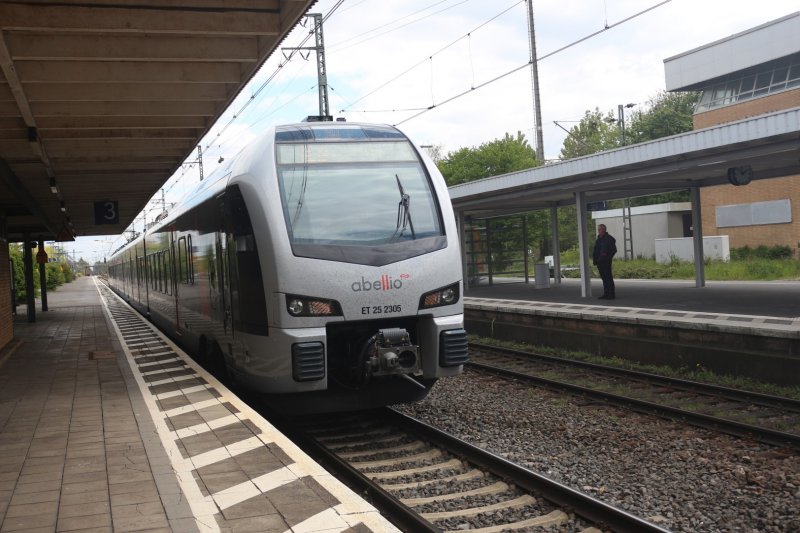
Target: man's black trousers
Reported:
[(604, 266)]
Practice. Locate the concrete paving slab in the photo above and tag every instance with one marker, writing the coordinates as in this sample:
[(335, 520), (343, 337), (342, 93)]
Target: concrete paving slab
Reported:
[(106, 433)]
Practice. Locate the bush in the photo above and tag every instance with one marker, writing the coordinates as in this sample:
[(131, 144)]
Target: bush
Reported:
[(746, 269), (55, 276), (761, 252)]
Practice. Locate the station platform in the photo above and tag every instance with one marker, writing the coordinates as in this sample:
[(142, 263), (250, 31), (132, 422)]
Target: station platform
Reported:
[(747, 329), (764, 305), (105, 426)]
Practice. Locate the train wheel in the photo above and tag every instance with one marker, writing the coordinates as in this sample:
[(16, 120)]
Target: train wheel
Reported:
[(202, 356), (216, 364)]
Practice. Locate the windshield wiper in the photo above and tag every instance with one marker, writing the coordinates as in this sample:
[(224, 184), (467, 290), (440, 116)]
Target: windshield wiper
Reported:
[(403, 212)]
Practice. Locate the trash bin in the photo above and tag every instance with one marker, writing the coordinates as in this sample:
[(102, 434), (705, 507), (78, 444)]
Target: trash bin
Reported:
[(541, 274)]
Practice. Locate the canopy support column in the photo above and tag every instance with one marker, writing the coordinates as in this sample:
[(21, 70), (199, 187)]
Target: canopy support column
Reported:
[(462, 242), (27, 258), (583, 247), (697, 235), (556, 246)]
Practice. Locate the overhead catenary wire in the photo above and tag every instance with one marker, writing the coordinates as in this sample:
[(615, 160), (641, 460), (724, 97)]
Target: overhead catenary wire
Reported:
[(237, 114), (337, 47), (459, 95), (501, 76), (439, 51)]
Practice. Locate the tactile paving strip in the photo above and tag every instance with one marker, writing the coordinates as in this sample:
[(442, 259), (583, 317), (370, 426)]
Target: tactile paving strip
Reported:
[(236, 470)]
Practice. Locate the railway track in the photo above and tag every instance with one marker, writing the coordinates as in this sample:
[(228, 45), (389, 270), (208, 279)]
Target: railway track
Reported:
[(770, 419), (426, 480)]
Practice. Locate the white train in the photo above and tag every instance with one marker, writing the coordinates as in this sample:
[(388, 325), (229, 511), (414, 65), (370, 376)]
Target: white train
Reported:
[(321, 266)]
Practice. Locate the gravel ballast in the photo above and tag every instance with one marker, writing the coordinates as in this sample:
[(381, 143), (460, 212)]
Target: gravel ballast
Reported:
[(683, 478)]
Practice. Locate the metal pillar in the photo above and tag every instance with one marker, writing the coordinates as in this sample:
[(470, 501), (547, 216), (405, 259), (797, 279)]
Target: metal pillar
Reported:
[(41, 259), (537, 106), (697, 236), (462, 241), (556, 246), (27, 259), (583, 247), (322, 70), (43, 286), (489, 251), (525, 247)]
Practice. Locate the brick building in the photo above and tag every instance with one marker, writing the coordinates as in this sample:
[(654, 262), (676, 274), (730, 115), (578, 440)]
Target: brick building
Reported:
[(742, 76)]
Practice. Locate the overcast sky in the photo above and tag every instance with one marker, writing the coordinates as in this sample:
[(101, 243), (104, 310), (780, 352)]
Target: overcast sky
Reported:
[(389, 59)]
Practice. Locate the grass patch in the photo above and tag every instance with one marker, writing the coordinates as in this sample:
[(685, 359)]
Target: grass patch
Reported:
[(694, 374), (745, 269)]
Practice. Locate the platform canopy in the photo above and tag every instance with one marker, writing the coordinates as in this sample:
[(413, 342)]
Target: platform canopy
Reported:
[(102, 100), (766, 146)]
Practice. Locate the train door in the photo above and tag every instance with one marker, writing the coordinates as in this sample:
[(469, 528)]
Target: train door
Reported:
[(224, 273), (173, 271), (148, 274), (137, 297)]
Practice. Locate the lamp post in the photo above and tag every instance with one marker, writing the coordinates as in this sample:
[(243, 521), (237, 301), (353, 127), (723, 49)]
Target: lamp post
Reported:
[(621, 118)]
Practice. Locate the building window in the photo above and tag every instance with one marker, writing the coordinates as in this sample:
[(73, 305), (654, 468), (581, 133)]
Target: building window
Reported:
[(779, 75), (754, 214)]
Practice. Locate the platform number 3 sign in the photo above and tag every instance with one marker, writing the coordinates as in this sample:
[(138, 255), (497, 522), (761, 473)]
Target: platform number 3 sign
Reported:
[(106, 212)]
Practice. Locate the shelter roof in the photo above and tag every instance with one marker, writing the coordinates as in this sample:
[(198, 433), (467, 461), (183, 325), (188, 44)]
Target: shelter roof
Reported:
[(772, 40), (106, 98), (768, 144)]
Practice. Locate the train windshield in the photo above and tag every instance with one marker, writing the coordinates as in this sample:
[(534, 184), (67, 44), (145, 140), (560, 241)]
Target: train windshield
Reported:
[(374, 193)]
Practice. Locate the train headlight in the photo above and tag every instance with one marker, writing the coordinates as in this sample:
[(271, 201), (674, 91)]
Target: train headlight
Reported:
[(309, 306), (444, 296), (295, 306)]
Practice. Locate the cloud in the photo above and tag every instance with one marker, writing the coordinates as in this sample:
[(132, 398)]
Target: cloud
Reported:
[(621, 65)]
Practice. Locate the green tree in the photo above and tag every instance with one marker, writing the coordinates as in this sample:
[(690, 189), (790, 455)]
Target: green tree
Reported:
[(17, 259), (492, 158), (594, 133), (82, 264), (100, 268), (666, 114), (435, 152), (17, 271)]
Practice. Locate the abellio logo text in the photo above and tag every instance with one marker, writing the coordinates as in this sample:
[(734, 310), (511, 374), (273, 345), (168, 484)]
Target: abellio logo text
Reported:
[(385, 283)]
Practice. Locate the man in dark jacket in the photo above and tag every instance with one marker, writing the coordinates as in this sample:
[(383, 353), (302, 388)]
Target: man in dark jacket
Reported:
[(604, 249)]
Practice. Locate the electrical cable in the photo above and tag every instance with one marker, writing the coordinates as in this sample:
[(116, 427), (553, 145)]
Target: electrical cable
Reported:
[(337, 46), (540, 59), (256, 93), (440, 50), (459, 95)]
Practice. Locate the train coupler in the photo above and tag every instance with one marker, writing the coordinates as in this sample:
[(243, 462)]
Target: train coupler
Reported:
[(390, 352)]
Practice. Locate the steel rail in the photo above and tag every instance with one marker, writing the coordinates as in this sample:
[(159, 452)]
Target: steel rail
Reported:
[(588, 508), (765, 400), (399, 514), (583, 505), (739, 429)]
